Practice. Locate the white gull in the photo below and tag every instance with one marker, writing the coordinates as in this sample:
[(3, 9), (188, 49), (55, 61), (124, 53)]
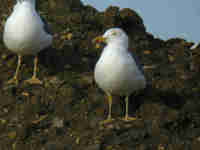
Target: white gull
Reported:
[(25, 34), (117, 71)]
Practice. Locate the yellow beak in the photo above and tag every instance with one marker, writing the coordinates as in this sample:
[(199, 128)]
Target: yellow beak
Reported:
[(99, 39)]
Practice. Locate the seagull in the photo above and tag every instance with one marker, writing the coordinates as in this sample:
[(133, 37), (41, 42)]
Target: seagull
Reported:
[(117, 72), (25, 34), (196, 45), (192, 49)]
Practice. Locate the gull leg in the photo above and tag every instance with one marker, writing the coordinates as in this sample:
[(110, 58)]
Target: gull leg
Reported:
[(127, 118), (34, 79), (15, 78), (109, 118)]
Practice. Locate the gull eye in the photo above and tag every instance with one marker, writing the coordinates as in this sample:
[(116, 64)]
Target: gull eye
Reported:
[(114, 33)]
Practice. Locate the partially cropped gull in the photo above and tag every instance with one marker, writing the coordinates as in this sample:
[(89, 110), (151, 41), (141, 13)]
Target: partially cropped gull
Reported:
[(117, 72), (25, 34)]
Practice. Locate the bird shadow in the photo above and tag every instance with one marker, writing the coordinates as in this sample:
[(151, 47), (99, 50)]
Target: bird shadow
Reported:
[(56, 61), (169, 98)]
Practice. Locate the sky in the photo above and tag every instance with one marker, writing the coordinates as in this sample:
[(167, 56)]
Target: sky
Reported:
[(163, 18)]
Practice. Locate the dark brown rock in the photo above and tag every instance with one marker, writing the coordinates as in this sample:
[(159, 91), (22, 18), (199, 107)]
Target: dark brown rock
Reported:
[(64, 113)]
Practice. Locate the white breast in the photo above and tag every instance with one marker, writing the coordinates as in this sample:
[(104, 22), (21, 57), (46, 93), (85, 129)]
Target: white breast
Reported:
[(23, 31), (117, 72)]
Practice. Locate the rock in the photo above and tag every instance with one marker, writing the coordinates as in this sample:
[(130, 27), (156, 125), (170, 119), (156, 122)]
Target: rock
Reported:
[(64, 113), (58, 123), (94, 147), (131, 21)]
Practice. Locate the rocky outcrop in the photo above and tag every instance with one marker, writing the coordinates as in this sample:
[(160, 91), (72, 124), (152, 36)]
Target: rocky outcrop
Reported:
[(64, 112)]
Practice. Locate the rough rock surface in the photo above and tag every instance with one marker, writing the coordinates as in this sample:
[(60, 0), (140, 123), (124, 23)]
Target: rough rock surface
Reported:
[(64, 113)]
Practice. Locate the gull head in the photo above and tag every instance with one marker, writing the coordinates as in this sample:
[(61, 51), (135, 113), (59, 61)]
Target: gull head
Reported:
[(113, 35)]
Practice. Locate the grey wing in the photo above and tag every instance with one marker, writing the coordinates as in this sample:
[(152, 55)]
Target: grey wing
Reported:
[(140, 67), (46, 27)]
